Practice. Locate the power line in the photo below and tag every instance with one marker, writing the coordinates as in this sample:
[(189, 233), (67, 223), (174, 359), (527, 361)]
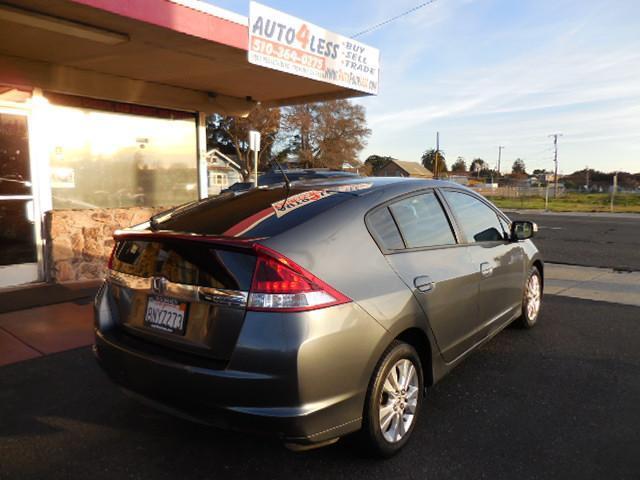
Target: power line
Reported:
[(389, 20)]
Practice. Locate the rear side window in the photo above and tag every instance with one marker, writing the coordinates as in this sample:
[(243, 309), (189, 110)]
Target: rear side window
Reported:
[(422, 221), (478, 221), (384, 229)]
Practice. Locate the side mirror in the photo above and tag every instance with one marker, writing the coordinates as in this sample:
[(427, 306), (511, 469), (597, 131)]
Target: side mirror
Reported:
[(522, 230)]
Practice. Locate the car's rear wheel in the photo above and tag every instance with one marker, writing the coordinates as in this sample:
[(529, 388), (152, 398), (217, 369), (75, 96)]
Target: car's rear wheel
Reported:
[(532, 299), (393, 400)]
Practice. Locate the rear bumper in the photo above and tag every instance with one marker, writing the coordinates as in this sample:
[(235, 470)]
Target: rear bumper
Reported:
[(195, 394), (300, 377)]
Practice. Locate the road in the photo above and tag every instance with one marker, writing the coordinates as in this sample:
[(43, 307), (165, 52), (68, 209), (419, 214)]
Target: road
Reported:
[(559, 401), (590, 240)]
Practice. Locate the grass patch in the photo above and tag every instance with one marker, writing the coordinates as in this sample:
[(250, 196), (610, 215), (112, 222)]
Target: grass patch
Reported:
[(574, 202)]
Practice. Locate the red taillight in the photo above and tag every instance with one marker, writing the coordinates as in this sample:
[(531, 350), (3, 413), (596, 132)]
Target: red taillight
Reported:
[(280, 284)]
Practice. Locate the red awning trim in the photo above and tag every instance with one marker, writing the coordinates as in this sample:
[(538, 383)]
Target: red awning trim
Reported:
[(177, 17)]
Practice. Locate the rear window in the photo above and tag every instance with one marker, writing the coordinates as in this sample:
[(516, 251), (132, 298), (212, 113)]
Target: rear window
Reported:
[(258, 213), (185, 263)]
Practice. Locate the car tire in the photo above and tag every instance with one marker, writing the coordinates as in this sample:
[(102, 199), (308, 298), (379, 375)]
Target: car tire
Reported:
[(393, 401), (531, 300)]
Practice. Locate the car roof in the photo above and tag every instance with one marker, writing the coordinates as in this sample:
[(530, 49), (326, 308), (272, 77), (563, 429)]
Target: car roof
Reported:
[(377, 183), (326, 173)]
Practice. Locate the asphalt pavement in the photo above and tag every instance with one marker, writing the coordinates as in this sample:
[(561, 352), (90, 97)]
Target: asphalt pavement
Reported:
[(593, 240), (559, 401)]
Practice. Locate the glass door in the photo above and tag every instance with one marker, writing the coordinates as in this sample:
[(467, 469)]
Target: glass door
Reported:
[(18, 247)]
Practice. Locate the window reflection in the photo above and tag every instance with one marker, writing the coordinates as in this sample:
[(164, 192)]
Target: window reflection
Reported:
[(106, 159)]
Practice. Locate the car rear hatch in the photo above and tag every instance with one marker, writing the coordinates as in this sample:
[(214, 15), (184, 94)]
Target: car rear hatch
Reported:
[(184, 280), (186, 293)]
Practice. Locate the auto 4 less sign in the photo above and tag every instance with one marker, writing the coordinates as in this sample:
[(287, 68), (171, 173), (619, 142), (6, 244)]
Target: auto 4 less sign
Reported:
[(288, 44)]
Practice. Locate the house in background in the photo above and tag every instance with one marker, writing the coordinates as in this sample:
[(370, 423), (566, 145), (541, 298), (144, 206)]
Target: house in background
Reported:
[(398, 168), (354, 167), (222, 172)]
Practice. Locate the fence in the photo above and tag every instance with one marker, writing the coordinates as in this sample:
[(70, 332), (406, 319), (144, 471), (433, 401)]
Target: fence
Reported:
[(566, 201), (518, 192)]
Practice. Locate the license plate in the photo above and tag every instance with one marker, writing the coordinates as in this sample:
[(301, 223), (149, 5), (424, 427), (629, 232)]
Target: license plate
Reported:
[(166, 314)]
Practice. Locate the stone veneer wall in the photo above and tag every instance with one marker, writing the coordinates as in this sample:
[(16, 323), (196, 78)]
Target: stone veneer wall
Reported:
[(79, 242)]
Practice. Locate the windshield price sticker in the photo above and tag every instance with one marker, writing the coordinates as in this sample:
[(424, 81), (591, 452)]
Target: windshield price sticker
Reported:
[(288, 44)]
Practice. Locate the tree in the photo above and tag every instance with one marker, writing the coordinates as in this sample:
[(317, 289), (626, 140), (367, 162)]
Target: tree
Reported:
[(231, 135), (375, 162), (478, 165), (519, 167), (459, 166), (431, 158), (325, 134)]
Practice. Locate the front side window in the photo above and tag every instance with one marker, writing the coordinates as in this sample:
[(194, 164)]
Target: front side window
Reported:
[(478, 221), (422, 221)]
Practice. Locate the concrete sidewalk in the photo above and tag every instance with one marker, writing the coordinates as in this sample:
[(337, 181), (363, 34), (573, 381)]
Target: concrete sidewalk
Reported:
[(43, 294), (589, 283), (35, 332)]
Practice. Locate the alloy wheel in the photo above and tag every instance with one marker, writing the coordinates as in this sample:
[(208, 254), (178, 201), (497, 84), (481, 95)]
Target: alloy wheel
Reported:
[(533, 297), (398, 400)]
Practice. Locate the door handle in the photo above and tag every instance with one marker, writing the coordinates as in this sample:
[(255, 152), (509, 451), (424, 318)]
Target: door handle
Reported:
[(424, 283), (485, 269)]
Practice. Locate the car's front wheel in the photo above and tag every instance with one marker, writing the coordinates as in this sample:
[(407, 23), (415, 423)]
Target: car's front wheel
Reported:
[(393, 401), (531, 300)]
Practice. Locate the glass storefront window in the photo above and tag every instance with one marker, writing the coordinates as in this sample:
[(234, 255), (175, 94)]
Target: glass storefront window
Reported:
[(17, 236), (102, 159)]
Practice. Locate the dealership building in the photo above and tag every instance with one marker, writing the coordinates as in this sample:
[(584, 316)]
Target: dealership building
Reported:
[(103, 107)]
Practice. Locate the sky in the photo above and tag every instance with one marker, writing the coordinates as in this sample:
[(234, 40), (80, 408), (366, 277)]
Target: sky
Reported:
[(486, 73)]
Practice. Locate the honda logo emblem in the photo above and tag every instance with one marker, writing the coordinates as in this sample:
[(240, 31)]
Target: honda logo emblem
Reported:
[(159, 285)]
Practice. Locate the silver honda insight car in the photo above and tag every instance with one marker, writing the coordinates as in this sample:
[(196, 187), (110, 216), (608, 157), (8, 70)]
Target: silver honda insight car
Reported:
[(315, 309)]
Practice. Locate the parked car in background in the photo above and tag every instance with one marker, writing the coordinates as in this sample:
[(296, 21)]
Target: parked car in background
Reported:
[(274, 177), (316, 311)]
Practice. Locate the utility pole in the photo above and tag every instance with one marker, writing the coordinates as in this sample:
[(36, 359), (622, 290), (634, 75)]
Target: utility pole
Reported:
[(437, 155), (555, 160), (500, 147)]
